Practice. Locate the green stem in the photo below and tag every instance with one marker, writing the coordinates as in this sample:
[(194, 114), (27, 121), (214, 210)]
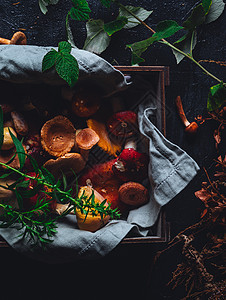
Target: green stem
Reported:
[(189, 56)]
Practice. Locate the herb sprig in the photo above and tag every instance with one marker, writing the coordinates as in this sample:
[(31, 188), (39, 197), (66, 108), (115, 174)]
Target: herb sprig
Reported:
[(38, 224)]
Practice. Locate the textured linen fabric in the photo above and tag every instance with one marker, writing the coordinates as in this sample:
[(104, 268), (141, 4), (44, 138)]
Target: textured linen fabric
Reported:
[(170, 168)]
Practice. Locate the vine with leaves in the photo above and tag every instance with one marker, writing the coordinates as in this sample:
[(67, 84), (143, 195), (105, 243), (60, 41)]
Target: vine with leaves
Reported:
[(99, 35)]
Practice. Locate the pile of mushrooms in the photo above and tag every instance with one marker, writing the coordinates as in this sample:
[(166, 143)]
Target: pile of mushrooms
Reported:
[(18, 126), (68, 149)]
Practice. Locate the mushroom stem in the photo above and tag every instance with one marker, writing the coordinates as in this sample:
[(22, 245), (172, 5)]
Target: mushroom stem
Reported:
[(181, 111), (190, 128), (18, 38), (4, 41), (130, 143)]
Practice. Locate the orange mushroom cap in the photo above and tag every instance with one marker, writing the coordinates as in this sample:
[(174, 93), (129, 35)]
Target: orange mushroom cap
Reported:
[(58, 136), (87, 138)]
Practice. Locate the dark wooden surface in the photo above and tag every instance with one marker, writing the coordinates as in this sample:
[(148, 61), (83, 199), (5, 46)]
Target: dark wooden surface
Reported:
[(127, 272)]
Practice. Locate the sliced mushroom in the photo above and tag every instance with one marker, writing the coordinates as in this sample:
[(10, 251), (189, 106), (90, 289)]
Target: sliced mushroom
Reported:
[(58, 136), (67, 164)]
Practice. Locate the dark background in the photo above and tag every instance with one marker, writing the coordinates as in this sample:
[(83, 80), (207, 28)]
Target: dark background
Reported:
[(128, 271)]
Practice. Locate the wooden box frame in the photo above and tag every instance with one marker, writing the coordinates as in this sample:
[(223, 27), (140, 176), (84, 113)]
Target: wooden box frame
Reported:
[(161, 73)]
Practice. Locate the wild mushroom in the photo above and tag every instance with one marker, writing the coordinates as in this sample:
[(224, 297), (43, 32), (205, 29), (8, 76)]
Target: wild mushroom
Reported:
[(123, 124), (8, 155), (85, 140), (86, 100), (20, 124), (7, 196), (130, 165), (133, 193), (90, 222), (66, 164), (190, 128), (102, 178), (8, 142), (19, 38), (58, 136)]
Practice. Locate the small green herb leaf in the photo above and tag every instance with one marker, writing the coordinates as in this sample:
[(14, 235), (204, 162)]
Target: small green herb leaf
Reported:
[(115, 25), (80, 10), (1, 127), (19, 149), (106, 3), (97, 39), (140, 12), (216, 97), (49, 60)]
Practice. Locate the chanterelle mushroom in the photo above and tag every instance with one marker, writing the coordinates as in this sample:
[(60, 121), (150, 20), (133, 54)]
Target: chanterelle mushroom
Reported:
[(58, 136), (65, 164)]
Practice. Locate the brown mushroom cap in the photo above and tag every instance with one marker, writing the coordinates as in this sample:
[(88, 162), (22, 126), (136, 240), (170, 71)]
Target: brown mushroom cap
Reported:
[(65, 164), (87, 138), (58, 136), (133, 193), (19, 38)]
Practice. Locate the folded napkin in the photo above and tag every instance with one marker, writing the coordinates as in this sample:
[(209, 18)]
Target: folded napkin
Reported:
[(170, 168)]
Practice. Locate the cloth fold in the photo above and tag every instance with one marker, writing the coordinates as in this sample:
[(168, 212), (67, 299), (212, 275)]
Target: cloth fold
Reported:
[(170, 168)]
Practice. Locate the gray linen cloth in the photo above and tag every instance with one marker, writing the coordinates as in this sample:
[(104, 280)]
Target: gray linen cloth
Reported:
[(170, 168)]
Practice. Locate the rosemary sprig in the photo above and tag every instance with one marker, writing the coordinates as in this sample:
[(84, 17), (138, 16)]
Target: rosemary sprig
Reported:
[(38, 224)]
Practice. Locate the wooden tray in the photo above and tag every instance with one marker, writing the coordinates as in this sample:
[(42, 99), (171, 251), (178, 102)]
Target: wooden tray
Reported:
[(146, 81)]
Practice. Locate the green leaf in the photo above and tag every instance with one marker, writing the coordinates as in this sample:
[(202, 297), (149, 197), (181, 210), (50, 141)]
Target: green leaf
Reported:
[(65, 64), (186, 44), (44, 3), (166, 29), (138, 48), (140, 12), (196, 18), (97, 39), (215, 11), (49, 60), (67, 68), (216, 97), (19, 149), (115, 25), (1, 127), (106, 3), (49, 178), (80, 10), (206, 4), (64, 47)]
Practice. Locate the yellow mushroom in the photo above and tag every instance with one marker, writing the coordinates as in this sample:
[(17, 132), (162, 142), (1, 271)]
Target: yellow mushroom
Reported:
[(89, 222)]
